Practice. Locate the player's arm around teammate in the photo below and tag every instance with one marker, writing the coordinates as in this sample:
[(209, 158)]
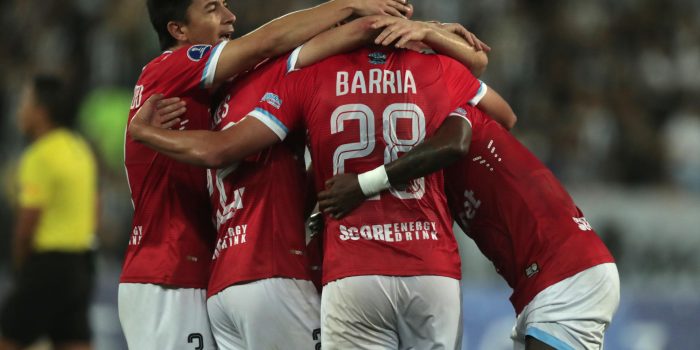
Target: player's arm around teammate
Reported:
[(215, 150), (345, 192), (287, 32), (465, 48), (200, 147), (169, 249), (572, 312), (448, 39), (340, 39)]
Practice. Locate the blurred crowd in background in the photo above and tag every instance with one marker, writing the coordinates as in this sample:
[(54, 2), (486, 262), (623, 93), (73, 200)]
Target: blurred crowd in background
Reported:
[(607, 93)]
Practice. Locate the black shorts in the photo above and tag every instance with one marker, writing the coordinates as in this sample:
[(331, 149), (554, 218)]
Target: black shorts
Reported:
[(51, 297)]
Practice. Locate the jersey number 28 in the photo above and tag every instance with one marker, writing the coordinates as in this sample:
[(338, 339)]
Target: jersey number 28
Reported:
[(394, 145)]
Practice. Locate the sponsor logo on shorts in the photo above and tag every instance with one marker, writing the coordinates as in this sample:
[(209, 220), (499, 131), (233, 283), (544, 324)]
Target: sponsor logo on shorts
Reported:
[(197, 52)]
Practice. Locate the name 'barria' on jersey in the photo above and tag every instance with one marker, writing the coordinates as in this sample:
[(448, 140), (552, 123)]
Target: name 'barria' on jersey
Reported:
[(376, 81)]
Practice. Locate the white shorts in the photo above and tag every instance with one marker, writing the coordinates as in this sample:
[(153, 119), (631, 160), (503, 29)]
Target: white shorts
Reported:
[(273, 313), (385, 312), (573, 313), (158, 317)]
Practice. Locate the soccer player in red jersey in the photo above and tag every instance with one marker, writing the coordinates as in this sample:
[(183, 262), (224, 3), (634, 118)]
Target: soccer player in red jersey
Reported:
[(407, 233), (261, 273), (565, 283), (166, 269), (260, 278)]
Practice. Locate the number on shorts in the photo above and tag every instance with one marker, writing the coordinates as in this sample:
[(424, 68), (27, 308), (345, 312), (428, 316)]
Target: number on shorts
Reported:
[(394, 145), (316, 334), (198, 338)]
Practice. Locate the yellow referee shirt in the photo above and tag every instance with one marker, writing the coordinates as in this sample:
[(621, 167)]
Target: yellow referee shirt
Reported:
[(58, 175)]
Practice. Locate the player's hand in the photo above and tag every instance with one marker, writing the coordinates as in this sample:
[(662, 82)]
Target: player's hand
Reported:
[(459, 29), (341, 196), (143, 117), (396, 8), (401, 31), (169, 112), (316, 223)]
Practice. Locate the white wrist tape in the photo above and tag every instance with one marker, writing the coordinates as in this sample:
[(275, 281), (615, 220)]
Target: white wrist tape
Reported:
[(374, 181)]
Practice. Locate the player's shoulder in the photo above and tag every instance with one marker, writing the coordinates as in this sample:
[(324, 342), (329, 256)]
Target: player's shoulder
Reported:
[(446, 63), (191, 53), (40, 150), (265, 75), (77, 142), (155, 66), (360, 57), (177, 57), (30, 155), (270, 68), (29, 163), (426, 60), (55, 140), (473, 111), (474, 114)]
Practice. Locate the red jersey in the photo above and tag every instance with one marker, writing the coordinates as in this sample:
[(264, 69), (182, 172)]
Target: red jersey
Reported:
[(362, 110), (258, 202), (518, 214), (172, 235)]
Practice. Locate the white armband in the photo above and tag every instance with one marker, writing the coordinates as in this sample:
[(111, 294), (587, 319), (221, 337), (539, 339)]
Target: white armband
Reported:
[(374, 181)]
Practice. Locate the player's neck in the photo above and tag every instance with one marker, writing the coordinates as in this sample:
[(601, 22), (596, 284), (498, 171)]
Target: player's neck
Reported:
[(374, 46), (180, 44), (42, 130)]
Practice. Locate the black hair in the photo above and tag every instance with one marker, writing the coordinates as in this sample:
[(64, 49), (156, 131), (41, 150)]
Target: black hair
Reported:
[(163, 11), (52, 94)]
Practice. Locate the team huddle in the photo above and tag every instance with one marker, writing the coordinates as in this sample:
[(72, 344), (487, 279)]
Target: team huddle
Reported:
[(215, 157)]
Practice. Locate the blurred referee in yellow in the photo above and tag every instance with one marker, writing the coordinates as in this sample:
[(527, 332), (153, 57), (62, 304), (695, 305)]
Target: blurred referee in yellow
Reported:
[(54, 227)]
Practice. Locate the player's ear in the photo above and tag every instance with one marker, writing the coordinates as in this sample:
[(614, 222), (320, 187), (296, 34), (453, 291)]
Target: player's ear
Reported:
[(177, 30)]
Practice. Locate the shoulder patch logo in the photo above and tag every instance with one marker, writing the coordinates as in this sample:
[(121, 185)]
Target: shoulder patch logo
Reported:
[(272, 99), (460, 112), (196, 52), (377, 58)]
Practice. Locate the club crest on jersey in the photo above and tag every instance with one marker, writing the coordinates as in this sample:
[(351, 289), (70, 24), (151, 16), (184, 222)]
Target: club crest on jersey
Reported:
[(377, 58), (196, 52), (272, 99)]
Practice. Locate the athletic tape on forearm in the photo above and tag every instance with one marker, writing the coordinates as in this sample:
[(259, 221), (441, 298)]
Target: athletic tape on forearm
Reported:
[(374, 181)]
